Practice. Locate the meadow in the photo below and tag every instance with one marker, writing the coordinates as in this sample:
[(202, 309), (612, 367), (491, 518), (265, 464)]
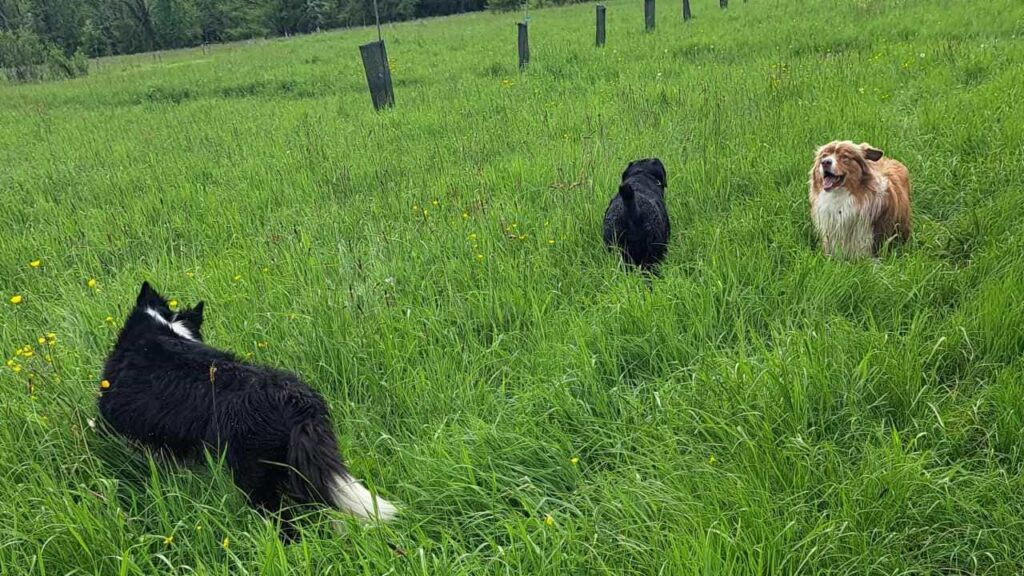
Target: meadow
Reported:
[(436, 272)]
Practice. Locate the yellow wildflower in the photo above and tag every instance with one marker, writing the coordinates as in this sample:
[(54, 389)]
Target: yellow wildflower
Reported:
[(27, 351), (41, 340), (551, 240), (262, 344), (16, 299), (168, 540), (51, 338), (465, 215), (472, 236), (11, 363), (711, 460), (225, 543), (574, 460), (16, 368), (479, 256), (549, 520), (35, 263), (435, 203), (237, 277), (104, 384), (91, 283), (173, 304)]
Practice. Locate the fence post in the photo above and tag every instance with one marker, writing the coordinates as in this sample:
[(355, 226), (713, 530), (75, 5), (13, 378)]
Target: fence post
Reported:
[(378, 74), (600, 24), (723, 3), (524, 45), (686, 10), (649, 14)]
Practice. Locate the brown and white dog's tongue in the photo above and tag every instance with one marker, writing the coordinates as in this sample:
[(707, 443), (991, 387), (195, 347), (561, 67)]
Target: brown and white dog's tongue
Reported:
[(830, 181)]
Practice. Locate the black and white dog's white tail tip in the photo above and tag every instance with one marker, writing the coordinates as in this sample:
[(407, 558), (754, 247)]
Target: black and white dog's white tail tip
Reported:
[(349, 495)]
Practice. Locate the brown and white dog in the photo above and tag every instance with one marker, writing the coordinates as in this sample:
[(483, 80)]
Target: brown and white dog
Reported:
[(859, 200)]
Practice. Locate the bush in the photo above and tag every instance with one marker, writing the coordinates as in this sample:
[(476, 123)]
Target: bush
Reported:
[(25, 57)]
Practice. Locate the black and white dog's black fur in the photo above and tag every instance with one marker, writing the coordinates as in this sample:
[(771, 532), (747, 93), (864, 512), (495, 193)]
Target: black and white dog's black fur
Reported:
[(636, 220), (170, 391)]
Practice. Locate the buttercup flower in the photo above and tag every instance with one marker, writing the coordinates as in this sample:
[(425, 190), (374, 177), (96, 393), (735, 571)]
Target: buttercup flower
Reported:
[(168, 540), (35, 263), (225, 543), (237, 277), (51, 338), (574, 460), (173, 304), (41, 340), (104, 384), (16, 299), (91, 283), (549, 520)]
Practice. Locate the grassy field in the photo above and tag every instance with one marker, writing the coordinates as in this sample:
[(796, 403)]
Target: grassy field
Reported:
[(436, 271)]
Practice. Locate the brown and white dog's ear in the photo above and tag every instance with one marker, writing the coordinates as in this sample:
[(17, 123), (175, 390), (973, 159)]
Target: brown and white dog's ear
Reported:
[(870, 152)]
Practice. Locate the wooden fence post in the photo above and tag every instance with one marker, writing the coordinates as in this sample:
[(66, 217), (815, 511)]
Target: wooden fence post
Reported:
[(600, 24)]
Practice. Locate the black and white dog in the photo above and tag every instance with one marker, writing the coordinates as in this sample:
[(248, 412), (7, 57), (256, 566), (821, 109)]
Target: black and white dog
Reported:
[(168, 390), (636, 220)]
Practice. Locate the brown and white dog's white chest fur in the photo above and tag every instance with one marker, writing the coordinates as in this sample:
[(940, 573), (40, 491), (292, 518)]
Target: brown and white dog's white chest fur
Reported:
[(845, 223), (859, 200)]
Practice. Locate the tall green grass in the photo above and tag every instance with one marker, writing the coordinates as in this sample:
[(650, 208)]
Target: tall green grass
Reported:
[(436, 271)]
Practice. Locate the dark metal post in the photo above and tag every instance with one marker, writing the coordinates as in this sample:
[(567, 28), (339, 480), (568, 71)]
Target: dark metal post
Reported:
[(649, 14), (723, 3), (378, 74), (600, 24), (524, 45), (686, 10)]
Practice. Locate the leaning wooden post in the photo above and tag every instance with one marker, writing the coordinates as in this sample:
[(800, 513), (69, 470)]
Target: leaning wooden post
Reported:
[(524, 45), (686, 10), (600, 24), (649, 14)]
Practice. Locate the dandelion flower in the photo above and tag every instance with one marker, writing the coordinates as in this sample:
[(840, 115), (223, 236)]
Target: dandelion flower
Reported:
[(35, 263), (16, 299), (173, 304), (574, 460), (27, 351), (104, 384), (91, 283), (549, 520), (168, 540)]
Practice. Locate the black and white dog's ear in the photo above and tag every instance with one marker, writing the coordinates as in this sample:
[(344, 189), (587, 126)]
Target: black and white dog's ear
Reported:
[(194, 315), (148, 296)]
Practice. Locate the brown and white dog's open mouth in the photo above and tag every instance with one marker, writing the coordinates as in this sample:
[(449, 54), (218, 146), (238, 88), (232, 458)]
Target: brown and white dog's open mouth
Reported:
[(831, 180)]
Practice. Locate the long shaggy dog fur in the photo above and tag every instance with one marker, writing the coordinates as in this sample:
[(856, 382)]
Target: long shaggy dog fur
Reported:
[(170, 391), (859, 199), (636, 220)]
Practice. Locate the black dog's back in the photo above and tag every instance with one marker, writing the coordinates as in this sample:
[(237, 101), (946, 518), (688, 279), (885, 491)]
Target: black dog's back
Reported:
[(170, 391), (636, 220)]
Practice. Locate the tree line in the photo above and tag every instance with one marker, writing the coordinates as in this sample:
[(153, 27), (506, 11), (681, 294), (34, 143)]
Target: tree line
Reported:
[(42, 39)]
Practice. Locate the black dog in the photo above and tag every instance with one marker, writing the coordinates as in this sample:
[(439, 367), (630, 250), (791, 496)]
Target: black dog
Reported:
[(636, 220), (168, 390)]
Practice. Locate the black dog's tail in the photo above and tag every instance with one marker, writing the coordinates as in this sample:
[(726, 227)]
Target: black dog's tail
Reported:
[(318, 474)]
